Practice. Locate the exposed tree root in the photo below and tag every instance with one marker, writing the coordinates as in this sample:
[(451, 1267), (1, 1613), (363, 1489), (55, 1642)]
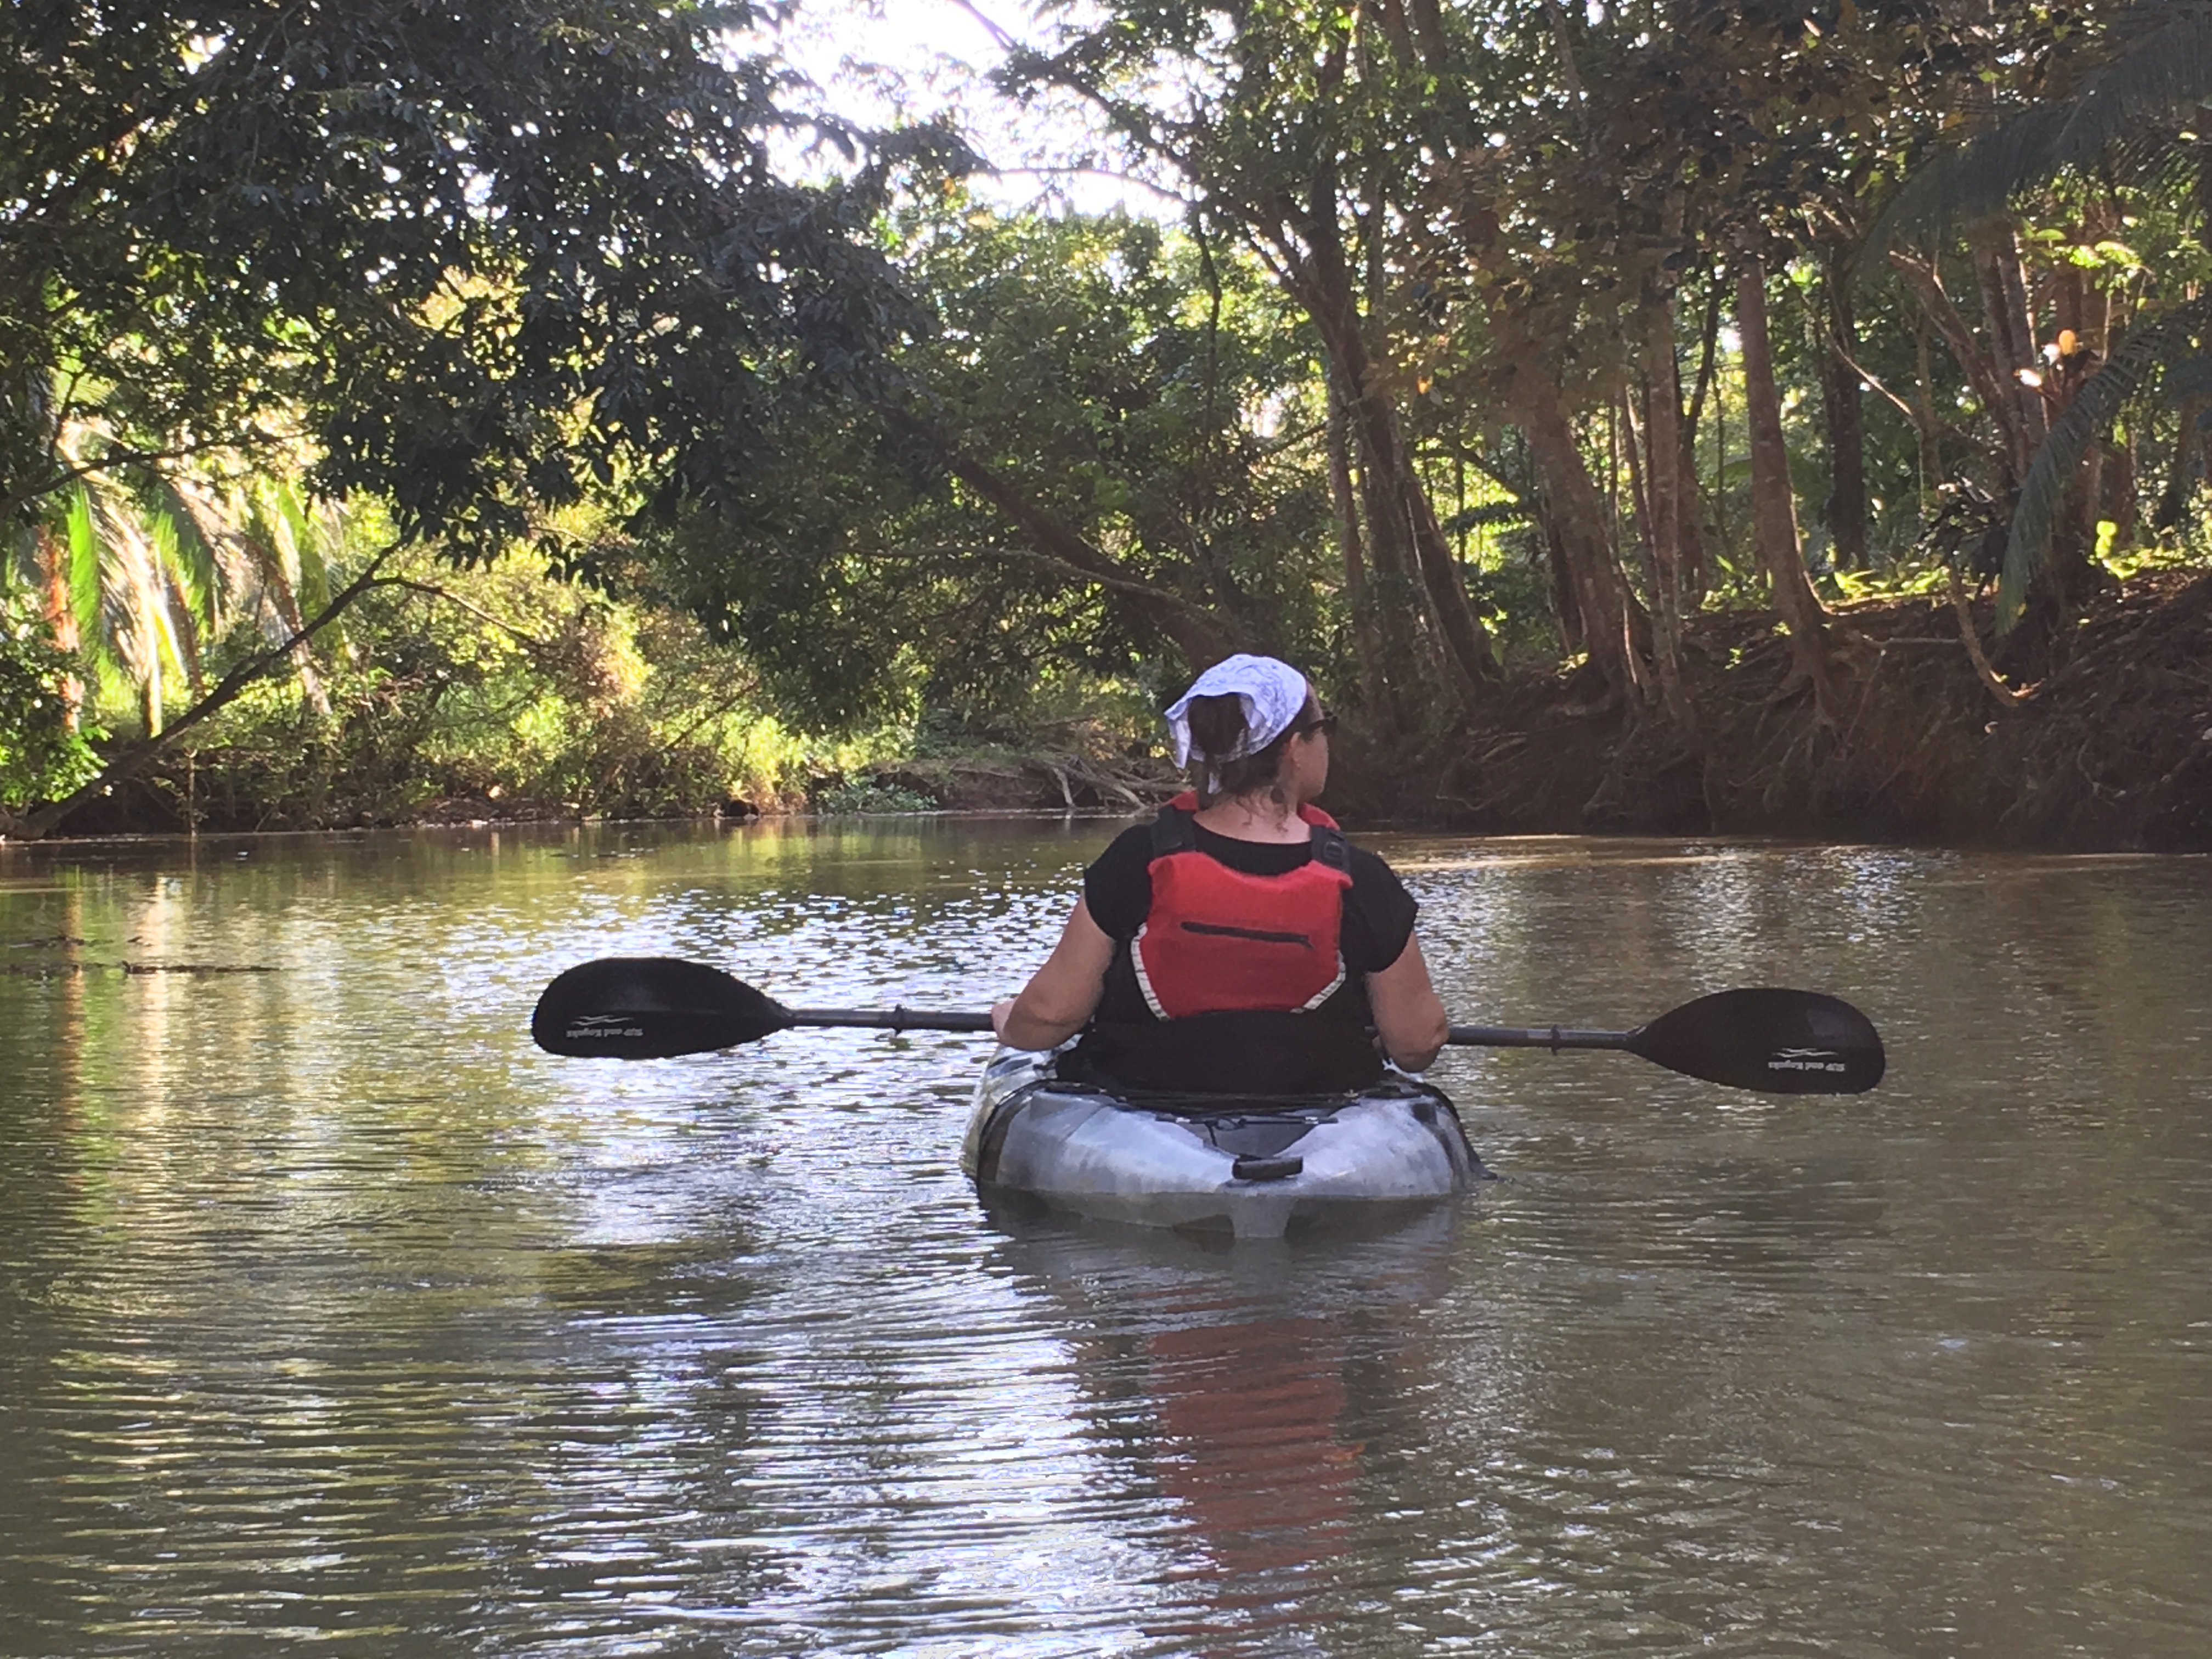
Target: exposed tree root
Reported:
[(2006, 696)]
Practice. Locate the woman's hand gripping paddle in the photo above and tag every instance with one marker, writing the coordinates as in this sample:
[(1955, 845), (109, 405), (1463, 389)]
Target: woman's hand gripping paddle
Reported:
[(1777, 1042)]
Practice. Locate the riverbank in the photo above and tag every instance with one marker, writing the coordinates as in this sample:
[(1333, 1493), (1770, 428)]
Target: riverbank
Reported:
[(2109, 750), (200, 793)]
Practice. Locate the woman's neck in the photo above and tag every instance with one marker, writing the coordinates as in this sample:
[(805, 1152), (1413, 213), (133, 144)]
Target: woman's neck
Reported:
[(1267, 818)]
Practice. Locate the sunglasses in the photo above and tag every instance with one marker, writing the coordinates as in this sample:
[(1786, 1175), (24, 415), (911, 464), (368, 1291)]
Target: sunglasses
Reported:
[(1324, 723)]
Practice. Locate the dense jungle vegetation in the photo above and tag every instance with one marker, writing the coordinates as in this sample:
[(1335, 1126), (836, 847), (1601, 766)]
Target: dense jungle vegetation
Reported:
[(1685, 414)]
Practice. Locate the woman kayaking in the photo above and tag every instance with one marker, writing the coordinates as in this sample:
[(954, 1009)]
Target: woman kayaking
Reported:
[(1238, 943)]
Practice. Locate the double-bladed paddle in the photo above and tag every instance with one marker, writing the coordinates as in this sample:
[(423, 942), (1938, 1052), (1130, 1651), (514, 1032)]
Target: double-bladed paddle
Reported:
[(1778, 1041)]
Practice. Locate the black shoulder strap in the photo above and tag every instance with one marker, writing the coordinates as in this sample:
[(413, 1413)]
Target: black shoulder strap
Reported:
[(1176, 831)]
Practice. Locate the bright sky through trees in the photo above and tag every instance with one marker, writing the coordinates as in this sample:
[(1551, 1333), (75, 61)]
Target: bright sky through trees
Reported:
[(872, 60)]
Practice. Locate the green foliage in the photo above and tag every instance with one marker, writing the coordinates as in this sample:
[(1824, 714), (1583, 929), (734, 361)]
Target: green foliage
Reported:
[(1146, 396), (905, 469), (44, 753), (1905, 579), (866, 795), (1512, 595), (2170, 337), (2160, 74), (483, 259), (496, 692)]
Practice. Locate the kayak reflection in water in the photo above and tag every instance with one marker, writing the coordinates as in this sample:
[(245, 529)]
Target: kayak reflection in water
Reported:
[(1275, 1395), (1238, 943)]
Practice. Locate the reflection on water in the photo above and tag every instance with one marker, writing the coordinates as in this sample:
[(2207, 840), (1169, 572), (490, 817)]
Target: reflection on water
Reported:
[(332, 1311)]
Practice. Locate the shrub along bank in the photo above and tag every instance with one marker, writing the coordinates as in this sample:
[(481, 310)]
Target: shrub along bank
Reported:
[(492, 694), (499, 695)]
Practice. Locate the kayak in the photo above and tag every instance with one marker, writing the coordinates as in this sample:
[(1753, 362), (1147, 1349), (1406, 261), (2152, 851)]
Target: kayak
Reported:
[(1255, 1166)]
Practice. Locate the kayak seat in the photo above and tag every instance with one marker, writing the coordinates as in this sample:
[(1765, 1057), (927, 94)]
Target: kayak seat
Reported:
[(1259, 1137)]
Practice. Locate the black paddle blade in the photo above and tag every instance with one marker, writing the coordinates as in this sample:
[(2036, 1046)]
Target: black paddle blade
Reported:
[(650, 1007), (1781, 1043)]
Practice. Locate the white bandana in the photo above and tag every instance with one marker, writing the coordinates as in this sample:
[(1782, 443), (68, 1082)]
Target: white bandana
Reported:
[(1272, 692)]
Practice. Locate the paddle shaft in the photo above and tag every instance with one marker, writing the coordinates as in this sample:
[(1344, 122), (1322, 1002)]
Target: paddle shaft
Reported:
[(1554, 1037), (890, 1020)]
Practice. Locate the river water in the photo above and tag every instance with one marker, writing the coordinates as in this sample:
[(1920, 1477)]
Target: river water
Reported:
[(335, 1316)]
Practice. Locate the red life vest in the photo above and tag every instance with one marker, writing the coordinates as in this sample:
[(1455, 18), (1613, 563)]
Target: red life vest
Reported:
[(1217, 939)]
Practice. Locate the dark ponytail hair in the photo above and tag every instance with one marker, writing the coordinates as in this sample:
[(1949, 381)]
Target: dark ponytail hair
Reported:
[(1217, 726)]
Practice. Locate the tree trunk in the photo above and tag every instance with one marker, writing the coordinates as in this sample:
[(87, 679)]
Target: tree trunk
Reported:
[(1847, 508), (52, 556), (1697, 563), (1402, 526), (1995, 249), (1668, 495), (2184, 467), (2070, 573), (1927, 424), (1429, 30), (1376, 686), (1615, 630), (1566, 604), (1773, 509), (2074, 570)]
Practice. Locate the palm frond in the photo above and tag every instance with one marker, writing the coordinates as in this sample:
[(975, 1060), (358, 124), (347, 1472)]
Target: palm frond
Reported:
[(1973, 182), (130, 599), (302, 546), (187, 590), (184, 548), (2165, 73), (2169, 337), (84, 581)]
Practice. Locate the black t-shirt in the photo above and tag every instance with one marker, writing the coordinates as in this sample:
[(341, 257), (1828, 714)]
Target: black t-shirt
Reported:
[(1243, 1052), (1379, 911)]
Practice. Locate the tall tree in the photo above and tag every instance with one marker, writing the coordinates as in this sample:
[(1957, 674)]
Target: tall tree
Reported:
[(1279, 135), (477, 256), (476, 261), (1773, 509)]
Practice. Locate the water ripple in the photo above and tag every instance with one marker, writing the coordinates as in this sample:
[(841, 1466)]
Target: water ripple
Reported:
[(333, 1314)]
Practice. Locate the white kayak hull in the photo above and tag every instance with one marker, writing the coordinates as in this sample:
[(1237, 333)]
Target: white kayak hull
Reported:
[(1254, 1168)]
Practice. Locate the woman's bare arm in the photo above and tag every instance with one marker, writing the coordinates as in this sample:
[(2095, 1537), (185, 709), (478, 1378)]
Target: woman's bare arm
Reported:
[(1408, 1013), (1063, 994)]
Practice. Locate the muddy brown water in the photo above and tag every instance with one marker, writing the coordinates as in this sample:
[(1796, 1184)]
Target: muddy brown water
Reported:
[(334, 1317)]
